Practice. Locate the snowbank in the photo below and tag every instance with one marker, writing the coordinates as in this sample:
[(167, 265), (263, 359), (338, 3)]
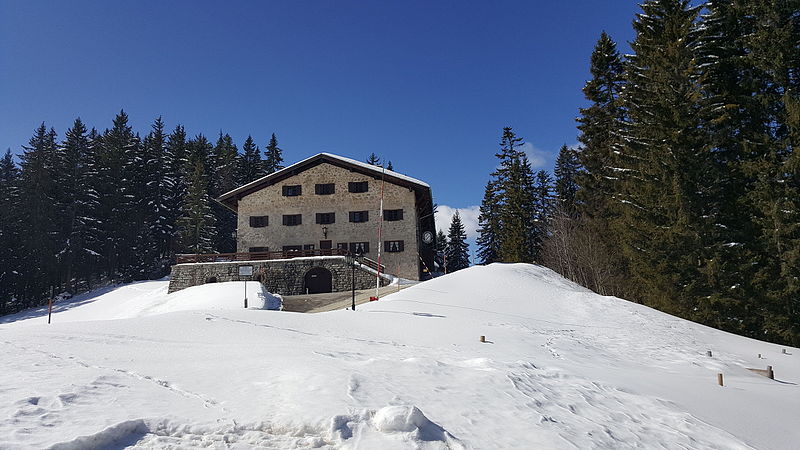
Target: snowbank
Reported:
[(562, 368)]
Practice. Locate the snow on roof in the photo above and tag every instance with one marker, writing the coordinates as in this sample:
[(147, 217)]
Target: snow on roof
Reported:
[(371, 167)]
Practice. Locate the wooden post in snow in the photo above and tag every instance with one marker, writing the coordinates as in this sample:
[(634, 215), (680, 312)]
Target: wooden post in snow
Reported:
[(719, 380)]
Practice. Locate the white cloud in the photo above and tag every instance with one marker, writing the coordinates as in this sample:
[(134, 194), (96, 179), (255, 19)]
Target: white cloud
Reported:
[(539, 159), (469, 217)]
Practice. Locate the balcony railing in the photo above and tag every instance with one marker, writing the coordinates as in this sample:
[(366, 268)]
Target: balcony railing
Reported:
[(263, 256)]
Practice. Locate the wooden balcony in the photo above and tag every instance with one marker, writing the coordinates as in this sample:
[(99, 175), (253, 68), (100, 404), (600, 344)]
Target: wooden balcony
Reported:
[(264, 256)]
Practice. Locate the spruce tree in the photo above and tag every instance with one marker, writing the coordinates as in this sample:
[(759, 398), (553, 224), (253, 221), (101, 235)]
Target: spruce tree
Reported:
[(225, 155), (665, 198), (489, 226), (10, 231), (273, 156), (457, 250), (76, 204), (250, 165), (119, 213), (196, 223), (543, 206), (566, 187), (373, 159), (599, 125), (515, 182), (389, 166), (38, 215), (177, 165)]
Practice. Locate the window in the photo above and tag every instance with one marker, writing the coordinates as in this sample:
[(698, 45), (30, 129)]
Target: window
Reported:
[(292, 191), (326, 218), (392, 215), (259, 221), (258, 249), (358, 186), (292, 219), (325, 245), (308, 247), (359, 247), (393, 246), (324, 189), (292, 248), (359, 216)]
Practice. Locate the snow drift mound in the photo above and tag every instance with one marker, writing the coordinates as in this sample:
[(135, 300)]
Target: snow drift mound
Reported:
[(146, 298)]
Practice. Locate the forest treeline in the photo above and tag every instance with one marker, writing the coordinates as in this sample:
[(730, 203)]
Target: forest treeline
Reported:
[(113, 206), (683, 193)]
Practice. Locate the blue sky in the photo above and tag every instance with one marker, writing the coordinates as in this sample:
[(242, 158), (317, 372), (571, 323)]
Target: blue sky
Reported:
[(426, 84)]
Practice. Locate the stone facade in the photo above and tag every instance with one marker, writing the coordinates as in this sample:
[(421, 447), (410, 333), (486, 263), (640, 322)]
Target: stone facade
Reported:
[(285, 277), (269, 201)]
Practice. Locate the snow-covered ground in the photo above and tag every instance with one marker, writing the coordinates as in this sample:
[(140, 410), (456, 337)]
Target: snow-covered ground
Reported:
[(562, 368)]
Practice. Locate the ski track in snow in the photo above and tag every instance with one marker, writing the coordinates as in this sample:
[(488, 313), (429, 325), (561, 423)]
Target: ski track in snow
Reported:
[(405, 372)]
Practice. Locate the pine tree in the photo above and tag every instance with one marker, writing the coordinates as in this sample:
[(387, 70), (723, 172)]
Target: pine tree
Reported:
[(10, 231), (273, 160), (773, 162), (566, 187), (543, 205), (225, 155), (665, 197), (515, 180), (489, 226), (196, 224), (119, 215), (250, 165), (177, 171), (389, 166), (373, 159), (76, 204), (39, 243), (441, 241), (457, 250), (600, 150), (158, 190)]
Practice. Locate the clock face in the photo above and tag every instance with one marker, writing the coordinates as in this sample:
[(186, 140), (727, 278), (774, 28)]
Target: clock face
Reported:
[(427, 237)]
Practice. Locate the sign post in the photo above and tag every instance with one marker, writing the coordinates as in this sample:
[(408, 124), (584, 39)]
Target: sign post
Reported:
[(245, 271)]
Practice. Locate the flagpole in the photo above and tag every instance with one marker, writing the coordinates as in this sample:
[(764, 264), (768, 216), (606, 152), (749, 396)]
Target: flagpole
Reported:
[(380, 235)]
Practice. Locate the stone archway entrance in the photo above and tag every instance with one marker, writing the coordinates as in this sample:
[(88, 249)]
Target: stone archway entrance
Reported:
[(318, 280)]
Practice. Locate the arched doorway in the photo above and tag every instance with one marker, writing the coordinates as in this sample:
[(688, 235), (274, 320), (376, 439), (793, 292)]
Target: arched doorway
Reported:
[(318, 281)]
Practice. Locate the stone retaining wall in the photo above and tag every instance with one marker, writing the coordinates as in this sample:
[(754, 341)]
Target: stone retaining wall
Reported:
[(285, 277)]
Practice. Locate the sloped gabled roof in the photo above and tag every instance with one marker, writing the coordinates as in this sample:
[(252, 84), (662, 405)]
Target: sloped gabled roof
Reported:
[(231, 199)]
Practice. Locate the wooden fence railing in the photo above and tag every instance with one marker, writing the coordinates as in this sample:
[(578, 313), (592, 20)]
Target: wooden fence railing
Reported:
[(262, 256)]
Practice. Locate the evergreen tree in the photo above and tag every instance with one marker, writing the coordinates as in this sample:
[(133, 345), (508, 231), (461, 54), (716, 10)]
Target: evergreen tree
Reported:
[(566, 172), (457, 250), (76, 204), (665, 199), (39, 240), (773, 163), (373, 159), (156, 162), (225, 156), (10, 231), (599, 124), (196, 224), (273, 160), (515, 180), (389, 166), (119, 214), (489, 226), (176, 165), (250, 165), (543, 205), (441, 241)]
